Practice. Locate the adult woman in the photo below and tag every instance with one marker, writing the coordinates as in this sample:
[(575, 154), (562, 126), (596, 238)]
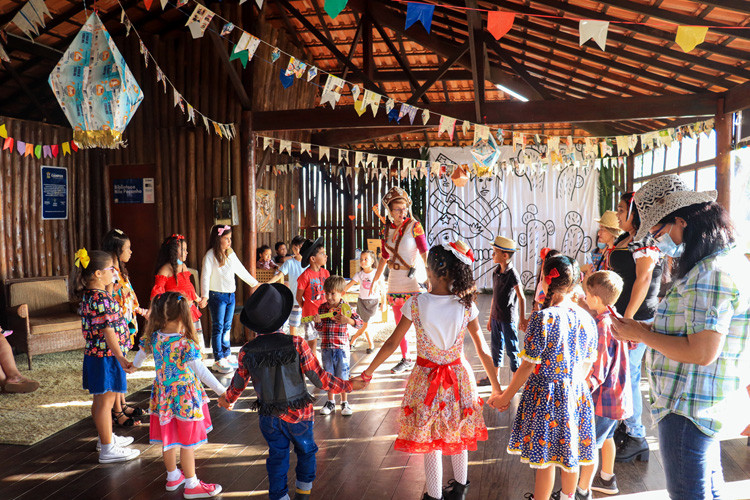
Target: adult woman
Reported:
[(638, 263), (403, 241), (220, 266), (117, 244), (699, 338)]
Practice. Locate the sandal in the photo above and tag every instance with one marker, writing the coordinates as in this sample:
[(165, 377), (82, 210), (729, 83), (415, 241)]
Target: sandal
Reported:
[(129, 422), (137, 412)]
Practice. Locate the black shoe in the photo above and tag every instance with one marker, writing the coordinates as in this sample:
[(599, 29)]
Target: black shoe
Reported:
[(606, 487), (557, 494), (456, 490), (484, 382), (369, 350), (402, 366), (632, 449), (428, 497), (621, 434)]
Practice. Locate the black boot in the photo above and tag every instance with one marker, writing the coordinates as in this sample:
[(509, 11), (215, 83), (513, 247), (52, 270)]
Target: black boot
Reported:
[(299, 495), (621, 434), (632, 449), (428, 497), (456, 490)]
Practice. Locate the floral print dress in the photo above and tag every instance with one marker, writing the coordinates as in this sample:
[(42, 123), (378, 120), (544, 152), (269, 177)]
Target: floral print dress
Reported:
[(441, 409), (554, 425)]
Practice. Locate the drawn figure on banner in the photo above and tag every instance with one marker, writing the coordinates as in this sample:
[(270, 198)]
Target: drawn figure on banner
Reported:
[(446, 227), (485, 211), (537, 235), (530, 155), (575, 240), (569, 179)]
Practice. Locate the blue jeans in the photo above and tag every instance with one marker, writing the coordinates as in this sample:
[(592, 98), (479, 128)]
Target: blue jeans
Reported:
[(691, 460), (633, 423), (504, 334), (221, 306), (336, 362), (605, 429), (279, 434)]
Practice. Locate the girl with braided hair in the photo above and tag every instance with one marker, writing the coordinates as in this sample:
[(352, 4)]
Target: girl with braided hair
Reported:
[(441, 411), (554, 424)]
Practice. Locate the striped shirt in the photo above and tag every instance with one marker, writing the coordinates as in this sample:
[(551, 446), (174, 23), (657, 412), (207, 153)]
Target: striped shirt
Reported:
[(714, 295)]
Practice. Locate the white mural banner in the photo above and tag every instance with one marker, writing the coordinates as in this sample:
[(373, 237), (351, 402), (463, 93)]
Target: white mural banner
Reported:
[(555, 208)]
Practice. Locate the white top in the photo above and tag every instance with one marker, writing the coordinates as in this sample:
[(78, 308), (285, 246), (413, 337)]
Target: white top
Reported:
[(398, 280), (441, 316), (217, 278), (365, 284), (196, 365), (292, 268)]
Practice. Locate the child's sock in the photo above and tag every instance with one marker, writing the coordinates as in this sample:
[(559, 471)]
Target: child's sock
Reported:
[(460, 463), (173, 475), (191, 482), (563, 496), (106, 447), (606, 475), (581, 490), (332, 401)]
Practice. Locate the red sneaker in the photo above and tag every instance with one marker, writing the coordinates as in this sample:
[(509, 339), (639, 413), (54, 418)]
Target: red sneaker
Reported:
[(173, 485), (203, 490)]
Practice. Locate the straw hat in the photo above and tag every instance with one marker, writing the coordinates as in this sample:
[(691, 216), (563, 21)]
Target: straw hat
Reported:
[(395, 194), (662, 196), (505, 244), (608, 221)]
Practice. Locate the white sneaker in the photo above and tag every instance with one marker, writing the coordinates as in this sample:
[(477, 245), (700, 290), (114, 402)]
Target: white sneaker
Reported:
[(220, 367), (120, 441), (232, 359), (118, 454), (327, 408), (346, 410)]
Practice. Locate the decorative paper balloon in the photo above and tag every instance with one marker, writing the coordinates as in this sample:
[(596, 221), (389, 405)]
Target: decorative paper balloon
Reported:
[(95, 89), (485, 152)]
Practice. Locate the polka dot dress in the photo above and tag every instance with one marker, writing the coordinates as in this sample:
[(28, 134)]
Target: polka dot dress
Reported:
[(555, 420)]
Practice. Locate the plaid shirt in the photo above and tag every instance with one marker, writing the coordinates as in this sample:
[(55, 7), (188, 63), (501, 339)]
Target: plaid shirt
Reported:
[(609, 379), (310, 367), (714, 295), (335, 335)]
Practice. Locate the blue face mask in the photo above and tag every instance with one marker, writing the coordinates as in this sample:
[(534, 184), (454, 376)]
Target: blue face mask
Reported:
[(179, 262), (601, 245), (668, 247)]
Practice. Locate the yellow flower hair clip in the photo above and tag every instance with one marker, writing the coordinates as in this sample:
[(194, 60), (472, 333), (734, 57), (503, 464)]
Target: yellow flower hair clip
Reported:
[(82, 258)]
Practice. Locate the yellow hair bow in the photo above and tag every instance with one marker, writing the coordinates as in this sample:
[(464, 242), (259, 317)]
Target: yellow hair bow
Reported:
[(82, 258)]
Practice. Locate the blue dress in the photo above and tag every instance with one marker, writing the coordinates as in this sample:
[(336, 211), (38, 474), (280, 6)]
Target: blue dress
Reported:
[(554, 424)]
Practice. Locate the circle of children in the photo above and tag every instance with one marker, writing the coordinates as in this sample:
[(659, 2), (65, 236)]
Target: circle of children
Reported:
[(577, 359)]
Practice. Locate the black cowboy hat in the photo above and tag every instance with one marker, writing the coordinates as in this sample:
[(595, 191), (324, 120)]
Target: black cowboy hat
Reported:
[(306, 250), (268, 308)]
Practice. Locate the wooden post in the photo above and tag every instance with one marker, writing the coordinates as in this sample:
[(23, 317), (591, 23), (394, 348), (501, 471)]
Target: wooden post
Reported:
[(630, 172), (349, 222), (723, 126), (250, 169)]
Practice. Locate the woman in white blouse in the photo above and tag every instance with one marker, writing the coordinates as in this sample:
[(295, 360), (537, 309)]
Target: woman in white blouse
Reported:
[(220, 265)]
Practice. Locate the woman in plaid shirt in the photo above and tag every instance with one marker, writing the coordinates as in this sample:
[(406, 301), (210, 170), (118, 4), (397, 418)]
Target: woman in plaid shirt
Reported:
[(699, 339)]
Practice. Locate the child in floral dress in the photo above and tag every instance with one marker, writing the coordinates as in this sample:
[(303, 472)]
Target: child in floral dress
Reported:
[(554, 424), (179, 404), (441, 410)]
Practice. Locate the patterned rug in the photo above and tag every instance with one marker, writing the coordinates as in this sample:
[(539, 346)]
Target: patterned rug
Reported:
[(59, 402)]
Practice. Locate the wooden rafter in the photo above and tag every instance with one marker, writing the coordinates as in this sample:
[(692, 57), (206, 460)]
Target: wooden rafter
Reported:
[(438, 74), (402, 62), (478, 58), (517, 67), (229, 69), (352, 49)]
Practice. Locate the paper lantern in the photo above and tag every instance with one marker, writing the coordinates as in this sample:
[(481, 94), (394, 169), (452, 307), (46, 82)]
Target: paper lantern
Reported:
[(486, 153), (95, 89)]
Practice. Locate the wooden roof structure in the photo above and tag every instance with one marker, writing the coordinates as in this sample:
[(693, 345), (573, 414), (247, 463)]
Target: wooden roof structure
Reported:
[(643, 81)]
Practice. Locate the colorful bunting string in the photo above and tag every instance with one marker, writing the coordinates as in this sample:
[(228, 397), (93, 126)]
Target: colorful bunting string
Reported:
[(23, 148)]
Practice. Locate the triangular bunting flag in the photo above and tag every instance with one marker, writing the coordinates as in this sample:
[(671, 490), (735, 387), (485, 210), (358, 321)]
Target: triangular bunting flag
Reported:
[(38, 151), (389, 105), (419, 12), (343, 156), (55, 149), (312, 73), (286, 80), (357, 158), (324, 152), (499, 23), (355, 92), (481, 133), (372, 99), (199, 20), (29, 149), (8, 144), (285, 146), (20, 147), (332, 91), (267, 142), (334, 7), (688, 37), (304, 147), (465, 127), (46, 151), (448, 125), (597, 30), (359, 107), (425, 116), (227, 29), (3, 131)]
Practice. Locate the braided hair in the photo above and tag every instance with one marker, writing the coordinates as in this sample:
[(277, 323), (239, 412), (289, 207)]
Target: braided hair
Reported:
[(569, 276), (442, 262)]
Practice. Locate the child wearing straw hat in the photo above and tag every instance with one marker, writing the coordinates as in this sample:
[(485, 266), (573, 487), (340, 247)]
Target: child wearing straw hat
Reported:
[(508, 309)]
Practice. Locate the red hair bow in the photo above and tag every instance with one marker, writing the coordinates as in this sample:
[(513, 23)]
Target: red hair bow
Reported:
[(552, 274), (178, 237), (543, 253)]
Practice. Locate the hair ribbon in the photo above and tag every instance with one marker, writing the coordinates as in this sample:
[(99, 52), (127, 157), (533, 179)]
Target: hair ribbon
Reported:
[(82, 258), (552, 274), (221, 230), (461, 250), (178, 237)]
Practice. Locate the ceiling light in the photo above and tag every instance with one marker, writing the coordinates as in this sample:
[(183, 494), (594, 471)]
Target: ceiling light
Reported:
[(511, 93)]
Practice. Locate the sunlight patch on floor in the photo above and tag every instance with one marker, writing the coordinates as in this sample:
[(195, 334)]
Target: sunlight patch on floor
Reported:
[(66, 404)]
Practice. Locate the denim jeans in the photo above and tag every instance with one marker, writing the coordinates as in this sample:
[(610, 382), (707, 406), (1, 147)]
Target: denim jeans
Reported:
[(221, 306), (633, 423), (691, 460), (279, 434), (504, 334)]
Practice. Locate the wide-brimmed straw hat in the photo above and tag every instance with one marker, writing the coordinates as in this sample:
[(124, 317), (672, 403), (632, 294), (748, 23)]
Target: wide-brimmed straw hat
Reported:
[(504, 244), (395, 194), (662, 196), (609, 221)]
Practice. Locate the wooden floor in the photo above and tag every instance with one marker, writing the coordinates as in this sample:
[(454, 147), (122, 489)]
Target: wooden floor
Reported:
[(356, 458)]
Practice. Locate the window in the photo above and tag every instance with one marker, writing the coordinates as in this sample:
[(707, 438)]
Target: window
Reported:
[(689, 150), (648, 163), (673, 156), (689, 178), (707, 150), (706, 180), (658, 160)]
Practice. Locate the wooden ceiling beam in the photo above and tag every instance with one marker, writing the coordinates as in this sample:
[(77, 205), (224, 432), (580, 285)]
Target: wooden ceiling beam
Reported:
[(353, 47), (291, 29), (737, 98), (504, 112), (438, 74), (368, 63), (330, 46), (321, 20), (339, 137), (478, 57), (515, 65), (399, 59), (22, 44), (230, 70)]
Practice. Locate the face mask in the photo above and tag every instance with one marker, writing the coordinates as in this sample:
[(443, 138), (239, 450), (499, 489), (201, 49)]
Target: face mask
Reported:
[(179, 262), (668, 247), (601, 245)]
